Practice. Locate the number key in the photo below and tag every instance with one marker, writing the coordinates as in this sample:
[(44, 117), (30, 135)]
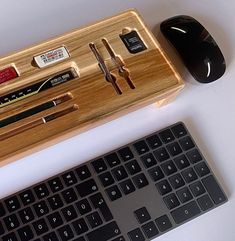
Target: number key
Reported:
[(26, 215), (12, 203), (27, 197), (11, 222), (41, 191)]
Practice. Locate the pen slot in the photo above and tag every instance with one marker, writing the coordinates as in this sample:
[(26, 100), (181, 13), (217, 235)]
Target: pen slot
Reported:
[(109, 77), (35, 110), (119, 64), (43, 84), (40, 121)]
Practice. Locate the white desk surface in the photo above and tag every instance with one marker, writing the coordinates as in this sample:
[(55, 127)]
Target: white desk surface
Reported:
[(208, 110)]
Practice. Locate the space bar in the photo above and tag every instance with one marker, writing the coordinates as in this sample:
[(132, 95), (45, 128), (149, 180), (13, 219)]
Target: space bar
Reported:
[(104, 233)]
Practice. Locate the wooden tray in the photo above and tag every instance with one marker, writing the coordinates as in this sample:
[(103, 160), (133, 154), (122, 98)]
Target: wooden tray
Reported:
[(93, 98)]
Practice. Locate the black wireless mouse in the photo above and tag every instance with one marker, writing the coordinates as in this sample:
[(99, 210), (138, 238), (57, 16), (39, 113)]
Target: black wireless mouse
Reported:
[(198, 49)]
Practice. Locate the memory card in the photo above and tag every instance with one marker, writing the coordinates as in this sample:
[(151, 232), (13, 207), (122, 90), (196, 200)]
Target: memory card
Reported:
[(133, 42)]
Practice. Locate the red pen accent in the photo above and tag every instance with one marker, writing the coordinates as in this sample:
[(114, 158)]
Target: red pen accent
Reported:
[(7, 74)]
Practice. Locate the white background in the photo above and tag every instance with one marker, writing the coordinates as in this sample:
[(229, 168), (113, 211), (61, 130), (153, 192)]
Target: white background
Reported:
[(208, 110)]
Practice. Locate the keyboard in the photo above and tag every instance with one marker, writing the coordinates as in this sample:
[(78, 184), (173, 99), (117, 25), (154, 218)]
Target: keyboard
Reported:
[(135, 193)]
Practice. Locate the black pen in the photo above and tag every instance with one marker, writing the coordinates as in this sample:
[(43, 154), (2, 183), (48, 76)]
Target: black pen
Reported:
[(34, 110)]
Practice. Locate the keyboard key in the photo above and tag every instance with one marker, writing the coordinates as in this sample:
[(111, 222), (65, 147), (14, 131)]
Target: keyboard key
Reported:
[(127, 187), (112, 159), (26, 215), (184, 195), (119, 173), (113, 193), (205, 202), (161, 154), (25, 233), (197, 189), (41, 191), (136, 235), (27, 197), (140, 180), (149, 160), (55, 220), (176, 181), (83, 172), (106, 179), (171, 201), (105, 232), (99, 165), (98, 202), (150, 229), (163, 223), (141, 147), (156, 173), (69, 195), (40, 227), (69, 213), (142, 215), (126, 154), (94, 219), (181, 162), (194, 156), (2, 231), (11, 222), (65, 233), (80, 226), (214, 189), (69, 178), (174, 149), (133, 167), (10, 237), (163, 187), (185, 212), (169, 168), (86, 188), (202, 169), (186, 143), (12, 203), (189, 175), (55, 202), (50, 237), (166, 136), (2, 210), (55, 184), (83, 206), (41, 208), (179, 130), (154, 141)]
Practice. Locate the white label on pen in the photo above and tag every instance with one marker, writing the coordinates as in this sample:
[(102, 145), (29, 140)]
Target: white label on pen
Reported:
[(51, 57)]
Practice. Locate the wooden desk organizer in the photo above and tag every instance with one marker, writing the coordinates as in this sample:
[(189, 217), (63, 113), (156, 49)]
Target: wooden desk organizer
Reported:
[(92, 97)]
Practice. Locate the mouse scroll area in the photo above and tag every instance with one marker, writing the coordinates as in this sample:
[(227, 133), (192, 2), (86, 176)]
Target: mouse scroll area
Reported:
[(197, 48)]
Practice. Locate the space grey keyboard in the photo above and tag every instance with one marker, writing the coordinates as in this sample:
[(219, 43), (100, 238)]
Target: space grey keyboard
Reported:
[(135, 193)]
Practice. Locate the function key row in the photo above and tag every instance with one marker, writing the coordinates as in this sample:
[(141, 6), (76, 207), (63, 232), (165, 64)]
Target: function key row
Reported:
[(143, 146), (163, 137)]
